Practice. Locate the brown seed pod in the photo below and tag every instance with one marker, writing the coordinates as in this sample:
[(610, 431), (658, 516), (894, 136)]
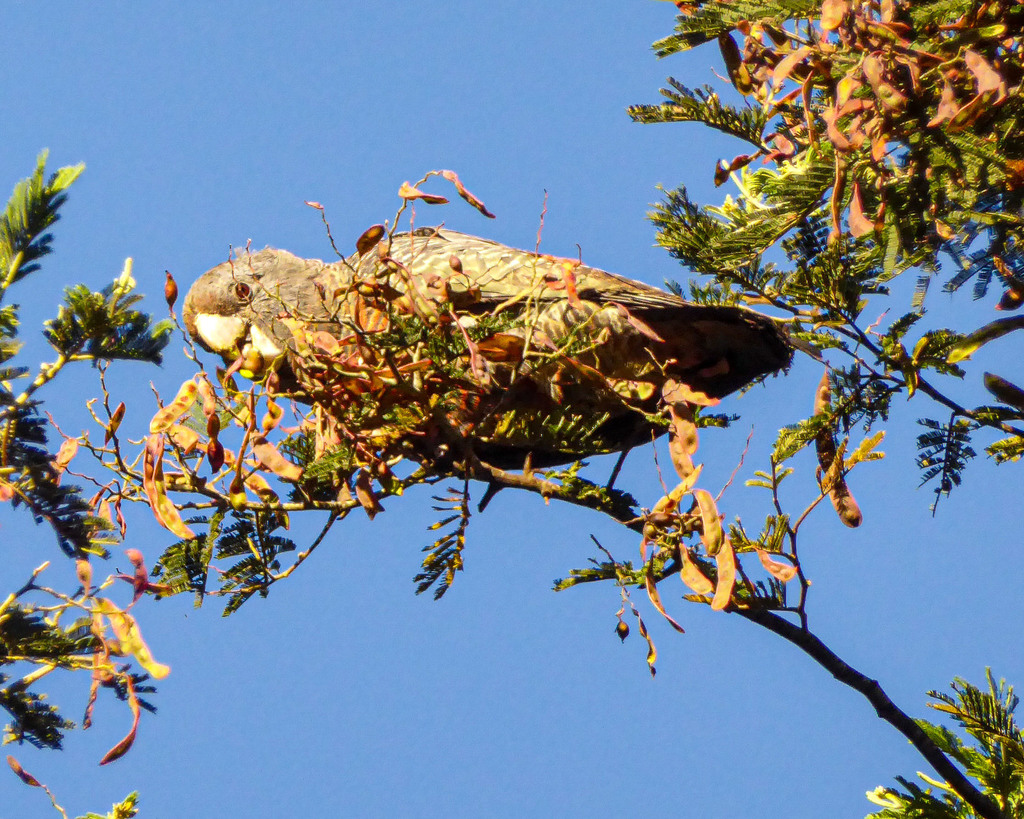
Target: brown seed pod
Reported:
[(832, 472), (170, 290)]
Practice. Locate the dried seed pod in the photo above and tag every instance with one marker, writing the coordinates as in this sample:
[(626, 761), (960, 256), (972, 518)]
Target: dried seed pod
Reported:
[(215, 455), (170, 290), (830, 461), (371, 236)]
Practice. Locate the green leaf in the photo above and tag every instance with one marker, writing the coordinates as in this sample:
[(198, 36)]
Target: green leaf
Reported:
[(30, 212), (704, 105), (102, 325)]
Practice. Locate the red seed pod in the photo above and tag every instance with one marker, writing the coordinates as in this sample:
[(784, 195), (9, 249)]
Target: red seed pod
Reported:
[(170, 290), (371, 236), (215, 454)]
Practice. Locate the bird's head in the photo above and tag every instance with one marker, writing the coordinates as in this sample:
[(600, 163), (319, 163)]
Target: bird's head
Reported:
[(229, 309)]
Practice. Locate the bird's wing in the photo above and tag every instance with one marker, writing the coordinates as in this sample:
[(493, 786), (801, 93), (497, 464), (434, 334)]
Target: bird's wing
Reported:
[(480, 270)]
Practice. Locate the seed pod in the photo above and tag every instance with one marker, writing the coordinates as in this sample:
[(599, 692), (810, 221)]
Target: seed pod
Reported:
[(215, 454), (168, 415), (270, 457), (22, 774), (209, 398), (273, 383), (692, 576), (252, 363), (83, 570), (725, 563), (825, 444), (236, 494), (115, 421), (170, 290), (371, 236)]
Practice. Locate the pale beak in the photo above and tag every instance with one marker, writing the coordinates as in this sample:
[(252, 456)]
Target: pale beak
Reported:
[(264, 343), (220, 333)]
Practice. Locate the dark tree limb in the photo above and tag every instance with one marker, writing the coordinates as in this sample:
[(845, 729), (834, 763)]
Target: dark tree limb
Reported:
[(884, 707), (798, 636)]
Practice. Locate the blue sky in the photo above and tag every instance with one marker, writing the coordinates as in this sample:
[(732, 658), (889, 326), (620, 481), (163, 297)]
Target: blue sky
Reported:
[(205, 125)]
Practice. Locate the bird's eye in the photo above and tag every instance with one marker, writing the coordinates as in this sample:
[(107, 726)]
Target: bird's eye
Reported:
[(243, 291)]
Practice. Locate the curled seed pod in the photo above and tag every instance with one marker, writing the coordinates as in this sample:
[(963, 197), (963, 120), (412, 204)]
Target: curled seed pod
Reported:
[(273, 382), (369, 239)]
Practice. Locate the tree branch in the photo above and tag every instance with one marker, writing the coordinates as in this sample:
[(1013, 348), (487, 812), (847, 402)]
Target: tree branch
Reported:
[(800, 637), (884, 707)]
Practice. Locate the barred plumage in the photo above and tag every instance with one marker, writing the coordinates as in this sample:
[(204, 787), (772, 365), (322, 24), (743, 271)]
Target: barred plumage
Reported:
[(576, 343)]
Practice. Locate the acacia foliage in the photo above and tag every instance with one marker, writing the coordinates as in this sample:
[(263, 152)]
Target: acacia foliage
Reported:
[(887, 137), (42, 629), (995, 757), (884, 140)]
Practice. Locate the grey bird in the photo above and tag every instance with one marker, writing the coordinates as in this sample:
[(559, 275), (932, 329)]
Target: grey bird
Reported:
[(557, 360)]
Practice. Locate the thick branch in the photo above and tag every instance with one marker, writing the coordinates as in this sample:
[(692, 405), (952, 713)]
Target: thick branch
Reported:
[(803, 639), (884, 707), (610, 506)]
